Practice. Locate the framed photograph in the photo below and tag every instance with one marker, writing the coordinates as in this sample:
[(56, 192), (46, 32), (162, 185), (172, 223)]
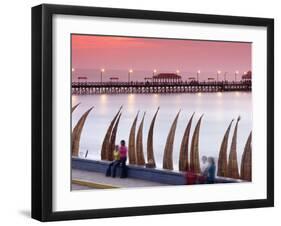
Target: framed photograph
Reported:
[(145, 112)]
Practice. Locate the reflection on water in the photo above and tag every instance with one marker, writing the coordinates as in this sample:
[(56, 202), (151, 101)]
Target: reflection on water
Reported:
[(103, 98), (218, 108), (219, 94)]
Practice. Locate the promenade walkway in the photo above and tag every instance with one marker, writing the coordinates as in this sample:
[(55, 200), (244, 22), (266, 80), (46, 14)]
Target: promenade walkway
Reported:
[(82, 179)]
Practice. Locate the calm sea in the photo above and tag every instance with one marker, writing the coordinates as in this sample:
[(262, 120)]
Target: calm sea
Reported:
[(218, 109)]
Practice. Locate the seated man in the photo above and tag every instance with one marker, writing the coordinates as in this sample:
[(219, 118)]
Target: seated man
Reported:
[(211, 171)]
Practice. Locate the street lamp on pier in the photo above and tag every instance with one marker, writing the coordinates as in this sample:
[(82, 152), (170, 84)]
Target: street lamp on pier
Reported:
[(236, 73), (129, 75), (72, 72), (101, 73), (154, 73), (177, 79), (198, 73), (218, 73), (225, 76)]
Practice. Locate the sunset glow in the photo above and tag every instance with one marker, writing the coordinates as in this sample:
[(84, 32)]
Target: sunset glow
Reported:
[(116, 54)]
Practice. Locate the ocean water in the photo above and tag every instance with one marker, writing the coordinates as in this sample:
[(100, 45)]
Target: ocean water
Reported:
[(218, 109)]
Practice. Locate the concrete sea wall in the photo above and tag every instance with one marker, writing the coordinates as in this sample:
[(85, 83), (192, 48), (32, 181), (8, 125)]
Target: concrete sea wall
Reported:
[(140, 172)]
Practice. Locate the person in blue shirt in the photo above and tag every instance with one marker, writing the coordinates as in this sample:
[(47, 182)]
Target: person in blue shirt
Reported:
[(211, 170)]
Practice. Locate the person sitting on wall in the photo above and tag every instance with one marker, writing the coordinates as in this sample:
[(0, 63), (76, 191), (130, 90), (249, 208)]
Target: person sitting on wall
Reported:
[(211, 170), (204, 165), (202, 178), (150, 164), (115, 162), (123, 158)]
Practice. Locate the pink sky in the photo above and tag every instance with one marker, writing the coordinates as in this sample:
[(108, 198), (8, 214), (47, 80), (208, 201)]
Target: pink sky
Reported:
[(119, 54)]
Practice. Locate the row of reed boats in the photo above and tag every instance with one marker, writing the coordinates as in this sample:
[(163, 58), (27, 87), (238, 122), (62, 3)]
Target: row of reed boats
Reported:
[(188, 160)]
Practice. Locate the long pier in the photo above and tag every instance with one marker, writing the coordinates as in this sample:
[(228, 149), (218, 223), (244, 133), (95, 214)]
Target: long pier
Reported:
[(158, 87)]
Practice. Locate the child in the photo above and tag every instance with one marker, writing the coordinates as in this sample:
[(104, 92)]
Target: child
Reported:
[(116, 161)]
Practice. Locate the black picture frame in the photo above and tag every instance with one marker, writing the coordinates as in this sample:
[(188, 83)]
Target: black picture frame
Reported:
[(42, 111)]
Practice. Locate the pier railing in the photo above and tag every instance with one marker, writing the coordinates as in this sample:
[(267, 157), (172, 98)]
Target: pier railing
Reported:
[(159, 87)]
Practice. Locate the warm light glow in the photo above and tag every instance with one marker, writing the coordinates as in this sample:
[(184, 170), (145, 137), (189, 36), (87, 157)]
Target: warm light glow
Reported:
[(102, 70), (131, 71), (219, 71), (154, 70), (199, 94), (131, 98), (198, 71), (73, 69), (155, 100), (178, 71), (103, 98), (245, 72), (74, 100), (236, 72), (219, 94), (131, 103), (237, 94)]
